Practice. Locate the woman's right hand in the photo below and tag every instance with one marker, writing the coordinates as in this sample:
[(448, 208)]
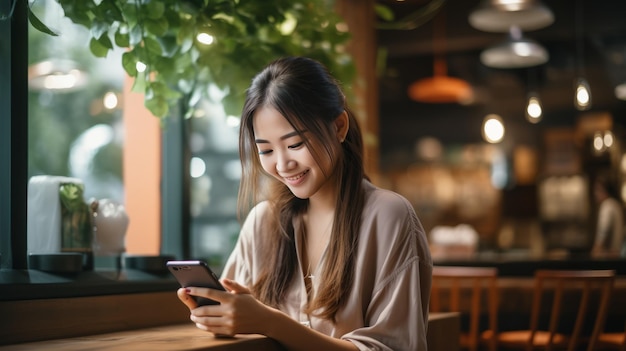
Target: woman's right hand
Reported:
[(238, 312)]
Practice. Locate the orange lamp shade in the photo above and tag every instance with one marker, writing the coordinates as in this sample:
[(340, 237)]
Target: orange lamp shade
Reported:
[(440, 89)]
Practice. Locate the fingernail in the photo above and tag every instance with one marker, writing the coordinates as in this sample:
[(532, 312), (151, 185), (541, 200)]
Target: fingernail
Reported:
[(187, 290)]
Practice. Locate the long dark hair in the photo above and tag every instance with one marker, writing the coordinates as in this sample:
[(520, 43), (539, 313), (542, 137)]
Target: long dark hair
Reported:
[(310, 98)]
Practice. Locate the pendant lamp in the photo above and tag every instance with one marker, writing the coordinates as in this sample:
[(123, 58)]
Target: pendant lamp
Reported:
[(582, 91), (516, 51), (499, 15), (440, 88)]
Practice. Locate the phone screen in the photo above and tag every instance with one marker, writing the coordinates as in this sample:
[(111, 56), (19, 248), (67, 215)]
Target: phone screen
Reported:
[(195, 273)]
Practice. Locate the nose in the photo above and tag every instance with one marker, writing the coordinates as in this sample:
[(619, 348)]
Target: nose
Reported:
[(284, 163)]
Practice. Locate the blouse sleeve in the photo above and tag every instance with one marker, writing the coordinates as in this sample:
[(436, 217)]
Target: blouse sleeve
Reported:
[(396, 302), (395, 316)]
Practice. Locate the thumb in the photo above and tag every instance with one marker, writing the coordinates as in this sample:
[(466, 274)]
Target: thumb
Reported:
[(187, 299), (234, 287)]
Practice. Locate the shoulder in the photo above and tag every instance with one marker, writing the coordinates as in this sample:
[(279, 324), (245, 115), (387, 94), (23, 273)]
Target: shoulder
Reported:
[(385, 202), (390, 221), (255, 218), (388, 214)]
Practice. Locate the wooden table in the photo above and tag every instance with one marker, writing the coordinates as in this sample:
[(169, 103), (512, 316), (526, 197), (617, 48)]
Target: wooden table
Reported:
[(444, 331), (443, 334)]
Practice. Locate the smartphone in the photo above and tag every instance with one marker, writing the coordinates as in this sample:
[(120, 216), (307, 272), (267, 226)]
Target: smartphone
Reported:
[(195, 273)]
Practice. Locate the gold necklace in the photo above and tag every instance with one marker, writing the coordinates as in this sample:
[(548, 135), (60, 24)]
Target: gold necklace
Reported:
[(309, 273)]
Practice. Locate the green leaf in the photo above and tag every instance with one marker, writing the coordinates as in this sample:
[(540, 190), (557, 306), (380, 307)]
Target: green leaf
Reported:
[(155, 9), (122, 39), (97, 48), (384, 12), (136, 35), (37, 24), (157, 27), (168, 43), (71, 195), (129, 62), (161, 89), (106, 42), (109, 10), (157, 106), (152, 45), (130, 14)]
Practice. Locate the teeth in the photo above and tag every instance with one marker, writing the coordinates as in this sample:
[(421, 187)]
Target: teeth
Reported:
[(296, 177)]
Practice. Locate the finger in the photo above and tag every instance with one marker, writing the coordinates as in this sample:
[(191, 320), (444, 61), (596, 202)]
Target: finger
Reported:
[(234, 287), (213, 325), (186, 298), (213, 294)]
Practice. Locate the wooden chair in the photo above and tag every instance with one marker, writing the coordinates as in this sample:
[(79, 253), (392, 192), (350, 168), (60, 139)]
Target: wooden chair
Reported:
[(580, 286), (472, 279)]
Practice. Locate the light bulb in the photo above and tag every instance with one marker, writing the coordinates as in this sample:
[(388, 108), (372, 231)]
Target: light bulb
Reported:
[(534, 110), (493, 129), (582, 99)]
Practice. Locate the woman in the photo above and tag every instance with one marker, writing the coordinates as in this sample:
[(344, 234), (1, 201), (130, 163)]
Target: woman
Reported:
[(325, 260), (609, 236)]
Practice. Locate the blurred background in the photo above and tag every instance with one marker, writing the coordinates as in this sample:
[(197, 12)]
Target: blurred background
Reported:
[(446, 67)]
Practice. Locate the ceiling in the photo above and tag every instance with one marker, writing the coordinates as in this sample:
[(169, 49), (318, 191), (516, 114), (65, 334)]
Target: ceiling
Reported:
[(407, 55)]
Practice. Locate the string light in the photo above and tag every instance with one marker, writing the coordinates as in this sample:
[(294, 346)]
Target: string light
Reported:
[(582, 96)]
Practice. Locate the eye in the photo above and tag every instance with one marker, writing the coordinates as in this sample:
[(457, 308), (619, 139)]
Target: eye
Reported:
[(296, 145), (265, 152)]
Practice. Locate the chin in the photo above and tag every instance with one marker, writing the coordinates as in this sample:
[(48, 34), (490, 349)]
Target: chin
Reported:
[(300, 193)]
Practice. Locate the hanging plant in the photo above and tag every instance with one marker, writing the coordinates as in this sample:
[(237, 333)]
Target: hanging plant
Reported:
[(175, 49)]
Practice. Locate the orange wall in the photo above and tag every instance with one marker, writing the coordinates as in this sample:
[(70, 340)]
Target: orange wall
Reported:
[(142, 173)]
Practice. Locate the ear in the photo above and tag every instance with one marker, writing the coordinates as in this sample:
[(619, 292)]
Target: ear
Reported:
[(342, 123)]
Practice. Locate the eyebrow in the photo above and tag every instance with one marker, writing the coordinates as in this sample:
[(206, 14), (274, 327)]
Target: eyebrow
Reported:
[(286, 136)]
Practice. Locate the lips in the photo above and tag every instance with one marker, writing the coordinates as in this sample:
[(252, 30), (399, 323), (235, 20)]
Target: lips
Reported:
[(296, 178)]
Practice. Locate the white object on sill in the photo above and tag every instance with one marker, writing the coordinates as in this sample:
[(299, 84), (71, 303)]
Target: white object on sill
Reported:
[(44, 213)]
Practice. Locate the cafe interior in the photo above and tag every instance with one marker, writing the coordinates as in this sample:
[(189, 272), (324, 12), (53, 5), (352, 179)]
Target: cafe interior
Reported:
[(494, 118)]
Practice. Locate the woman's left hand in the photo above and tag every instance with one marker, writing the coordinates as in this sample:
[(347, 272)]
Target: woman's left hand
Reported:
[(238, 312)]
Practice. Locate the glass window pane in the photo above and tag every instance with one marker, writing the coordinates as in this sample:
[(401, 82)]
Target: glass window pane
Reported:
[(75, 116), (215, 171)]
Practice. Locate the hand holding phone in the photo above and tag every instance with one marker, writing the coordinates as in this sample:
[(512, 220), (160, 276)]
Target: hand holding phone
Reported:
[(195, 273)]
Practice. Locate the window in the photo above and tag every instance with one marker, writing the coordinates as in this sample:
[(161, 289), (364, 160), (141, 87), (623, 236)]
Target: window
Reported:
[(61, 125), (215, 174), (76, 129)]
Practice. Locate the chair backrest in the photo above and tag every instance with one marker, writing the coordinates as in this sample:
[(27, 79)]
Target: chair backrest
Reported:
[(476, 280), (569, 291)]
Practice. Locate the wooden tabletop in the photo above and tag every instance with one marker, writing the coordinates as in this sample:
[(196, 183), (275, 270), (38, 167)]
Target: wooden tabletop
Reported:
[(181, 337), (443, 334)]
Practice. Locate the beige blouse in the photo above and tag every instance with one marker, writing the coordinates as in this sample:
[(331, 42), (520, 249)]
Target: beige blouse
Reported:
[(388, 304)]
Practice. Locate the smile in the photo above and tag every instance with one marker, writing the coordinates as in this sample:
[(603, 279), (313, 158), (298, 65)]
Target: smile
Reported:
[(296, 177)]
